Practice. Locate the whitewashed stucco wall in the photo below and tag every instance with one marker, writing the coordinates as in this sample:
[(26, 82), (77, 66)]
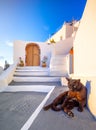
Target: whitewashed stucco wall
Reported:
[(60, 48), (63, 47), (19, 50), (64, 32), (85, 42), (85, 52), (57, 36), (7, 76)]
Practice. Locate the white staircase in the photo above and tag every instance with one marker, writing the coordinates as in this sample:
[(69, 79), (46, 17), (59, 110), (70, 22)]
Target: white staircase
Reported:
[(34, 74), (58, 65), (32, 71)]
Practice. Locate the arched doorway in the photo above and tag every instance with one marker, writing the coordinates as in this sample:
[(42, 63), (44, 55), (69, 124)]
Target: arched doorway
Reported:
[(32, 54)]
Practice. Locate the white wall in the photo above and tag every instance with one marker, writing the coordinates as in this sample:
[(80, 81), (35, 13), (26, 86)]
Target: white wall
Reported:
[(46, 50), (58, 34), (85, 42), (19, 50), (69, 30), (7, 76), (65, 31), (60, 48), (85, 52), (63, 47)]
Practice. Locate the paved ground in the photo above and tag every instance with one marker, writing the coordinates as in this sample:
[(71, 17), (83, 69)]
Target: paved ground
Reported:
[(50, 120), (17, 107)]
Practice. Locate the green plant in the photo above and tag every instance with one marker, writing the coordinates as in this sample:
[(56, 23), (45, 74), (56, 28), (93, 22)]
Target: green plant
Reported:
[(52, 41)]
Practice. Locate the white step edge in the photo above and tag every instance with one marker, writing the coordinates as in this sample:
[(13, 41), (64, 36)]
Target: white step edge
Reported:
[(45, 73), (36, 79), (32, 69), (25, 88)]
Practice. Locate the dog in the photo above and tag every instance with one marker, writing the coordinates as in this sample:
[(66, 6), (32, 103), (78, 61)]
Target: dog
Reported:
[(75, 97)]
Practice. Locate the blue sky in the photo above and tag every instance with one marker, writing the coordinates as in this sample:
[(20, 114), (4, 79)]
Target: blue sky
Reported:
[(33, 20)]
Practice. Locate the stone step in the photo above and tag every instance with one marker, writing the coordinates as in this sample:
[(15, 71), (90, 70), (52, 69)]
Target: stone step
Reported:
[(29, 88), (32, 68), (58, 65), (56, 83), (37, 79), (31, 73)]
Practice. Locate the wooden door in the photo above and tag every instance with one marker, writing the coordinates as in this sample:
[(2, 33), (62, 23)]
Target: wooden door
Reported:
[(32, 55)]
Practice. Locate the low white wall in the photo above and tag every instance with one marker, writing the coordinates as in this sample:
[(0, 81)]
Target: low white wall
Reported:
[(1, 70), (7, 76)]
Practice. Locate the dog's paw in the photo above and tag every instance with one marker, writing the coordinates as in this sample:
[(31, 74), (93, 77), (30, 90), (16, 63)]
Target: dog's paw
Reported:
[(70, 114)]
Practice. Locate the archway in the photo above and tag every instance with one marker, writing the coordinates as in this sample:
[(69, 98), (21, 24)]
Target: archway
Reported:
[(32, 54)]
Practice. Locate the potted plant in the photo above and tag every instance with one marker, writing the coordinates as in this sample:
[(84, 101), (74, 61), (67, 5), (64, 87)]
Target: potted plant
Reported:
[(44, 61), (71, 51)]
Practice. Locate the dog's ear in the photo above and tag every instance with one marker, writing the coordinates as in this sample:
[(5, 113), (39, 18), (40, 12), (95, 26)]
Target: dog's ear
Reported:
[(78, 80), (68, 79)]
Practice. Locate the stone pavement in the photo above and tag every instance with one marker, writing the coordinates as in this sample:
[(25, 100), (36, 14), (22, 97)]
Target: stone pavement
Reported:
[(17, 107), (51, 120)]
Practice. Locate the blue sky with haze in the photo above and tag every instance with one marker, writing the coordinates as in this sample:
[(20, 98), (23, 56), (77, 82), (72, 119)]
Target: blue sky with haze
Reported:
[(33, 20)]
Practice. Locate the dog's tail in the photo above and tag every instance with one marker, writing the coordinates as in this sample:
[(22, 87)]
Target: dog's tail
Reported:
[(47, 107)]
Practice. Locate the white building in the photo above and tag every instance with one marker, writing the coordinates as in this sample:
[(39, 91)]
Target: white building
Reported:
[(84, 43), (33, 53), (67, 30)]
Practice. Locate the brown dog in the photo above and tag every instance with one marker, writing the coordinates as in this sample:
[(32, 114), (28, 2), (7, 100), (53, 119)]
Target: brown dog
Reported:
[(78, 92), (66, 101)]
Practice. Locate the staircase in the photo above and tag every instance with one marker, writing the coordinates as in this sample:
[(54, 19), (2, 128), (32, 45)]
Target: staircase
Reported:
[(34, 75), (58, 65)]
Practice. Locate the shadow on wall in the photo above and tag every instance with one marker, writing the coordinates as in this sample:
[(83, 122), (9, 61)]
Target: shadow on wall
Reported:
[(90, 96), (88, 86)]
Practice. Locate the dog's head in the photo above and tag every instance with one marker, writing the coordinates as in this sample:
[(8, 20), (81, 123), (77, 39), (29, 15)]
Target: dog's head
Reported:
[(74, 84)]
